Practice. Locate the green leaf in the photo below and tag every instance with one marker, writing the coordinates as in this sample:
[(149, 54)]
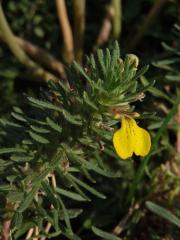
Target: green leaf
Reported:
[(76, 187), (103, 172), (5, 122), (80, 69), (162, 212), (50, 194), (88, 101), (43, 104), (70, 236), (24, 228), (100, 57), (173, 78), (17, 220), (154, 91), (39, 32), (28, 199), (140, 72), (17, 110), (104, 235), (87, 187), (6, 188), (43, 213), (73, 213), (11, 150), (53, 235), (15, 196), (20, 158), (38, 138), (30, 195), (70, 194), (53, 125), (39, 129), (18, 117), (73, 119), (66, 215), (55, 213)]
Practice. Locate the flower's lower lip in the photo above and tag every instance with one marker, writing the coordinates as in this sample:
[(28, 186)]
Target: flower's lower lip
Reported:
[(130, 138)]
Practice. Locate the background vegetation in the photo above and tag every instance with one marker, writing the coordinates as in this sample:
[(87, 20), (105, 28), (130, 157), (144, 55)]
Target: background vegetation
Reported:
[(72, 123)]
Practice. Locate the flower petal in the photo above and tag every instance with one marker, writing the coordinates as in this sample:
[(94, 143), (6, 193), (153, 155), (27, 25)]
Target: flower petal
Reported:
[(141, 140), (122, 140)]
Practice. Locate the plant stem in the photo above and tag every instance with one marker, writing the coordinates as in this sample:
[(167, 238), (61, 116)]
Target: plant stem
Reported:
[(40, 55), (105, 28), (6, 230), (79, 27), (117, 18), (66, 30), (123, 223), (30, 233), (10, 40), (178, 131)]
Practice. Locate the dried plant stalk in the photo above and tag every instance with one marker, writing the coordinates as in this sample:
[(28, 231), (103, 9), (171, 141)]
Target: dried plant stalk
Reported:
[(18, 52), (6, 231), (66, 30), (117, 18), (40, 55), (79, 27)]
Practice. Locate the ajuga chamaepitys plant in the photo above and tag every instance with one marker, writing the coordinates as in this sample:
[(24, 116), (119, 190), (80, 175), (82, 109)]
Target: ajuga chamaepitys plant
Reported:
[(51, 153)]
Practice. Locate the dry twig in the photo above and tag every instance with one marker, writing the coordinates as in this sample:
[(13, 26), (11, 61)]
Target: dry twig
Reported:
[(105, 29), (79, 27), (178, 131), (117, 18), (122, 224), (66, 30), (6, 230), (40, 55), (18, 52)]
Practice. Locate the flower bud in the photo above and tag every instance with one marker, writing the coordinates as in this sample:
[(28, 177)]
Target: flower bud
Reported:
[(133, 60)]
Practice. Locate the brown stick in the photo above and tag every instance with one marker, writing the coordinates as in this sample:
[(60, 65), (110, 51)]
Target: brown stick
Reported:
[(147, 23), (66, 30), (79, 27), (178, 131), (6, 231), (18, 52), (122, 224), (117, 18), (43, 57), (30, 233), (40, 55)]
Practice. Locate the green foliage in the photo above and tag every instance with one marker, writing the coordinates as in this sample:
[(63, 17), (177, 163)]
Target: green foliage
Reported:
[(104, 235), (162, 212), (67, 131), (58, 145)]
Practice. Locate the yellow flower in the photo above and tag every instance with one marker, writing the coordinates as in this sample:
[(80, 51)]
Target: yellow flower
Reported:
[(130, 138)]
